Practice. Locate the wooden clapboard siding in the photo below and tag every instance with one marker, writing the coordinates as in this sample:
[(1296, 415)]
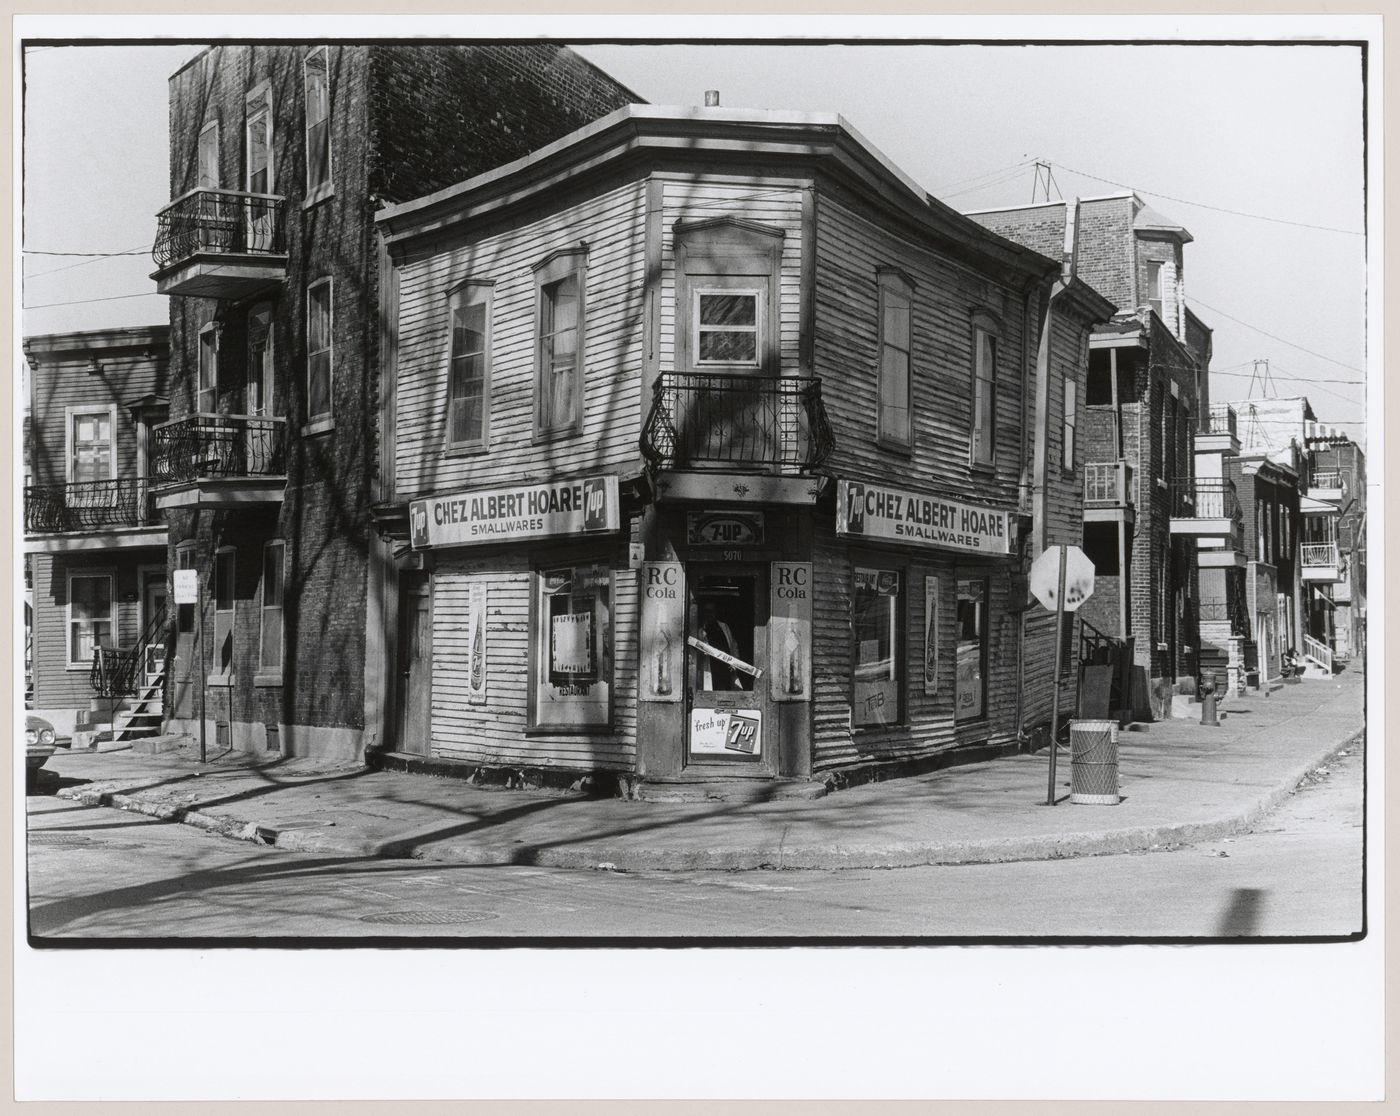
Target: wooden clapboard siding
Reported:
[(850, 249), (929, 725), (775, 203), (494, 733), (612, 224)]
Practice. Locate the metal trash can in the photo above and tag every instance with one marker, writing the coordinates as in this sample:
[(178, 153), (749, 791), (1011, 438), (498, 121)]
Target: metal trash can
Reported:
[(1093, 763)]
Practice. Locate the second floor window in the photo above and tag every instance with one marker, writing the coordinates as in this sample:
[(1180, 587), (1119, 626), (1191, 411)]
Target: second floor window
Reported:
[(208, 400), (318, 351), (896, 345), (559, 371), (468, 366), (1071, 397), (1154, 286), (318, 121), (91, 453), (984, 393), (209, 157), (726, 326)]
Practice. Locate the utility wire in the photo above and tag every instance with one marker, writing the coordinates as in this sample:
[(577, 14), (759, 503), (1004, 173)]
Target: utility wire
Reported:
[(1217, 208), (1287, 376), (96, 257), (1008, 177), (990, 174), (1291, 344), (83, 301), (132, 252)]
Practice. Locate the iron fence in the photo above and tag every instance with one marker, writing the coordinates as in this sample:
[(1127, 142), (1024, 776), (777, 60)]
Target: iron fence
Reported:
[(219, 222), (710, 420), (87, 505), (205, 445)]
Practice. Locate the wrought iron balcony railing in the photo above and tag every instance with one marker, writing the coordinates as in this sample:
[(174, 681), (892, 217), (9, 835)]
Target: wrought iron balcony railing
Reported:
[(714, 421), (206, 446), (1316, 555), (219, 222), (87, 505), (1222, 419), (1206, 498), (1108, 484)]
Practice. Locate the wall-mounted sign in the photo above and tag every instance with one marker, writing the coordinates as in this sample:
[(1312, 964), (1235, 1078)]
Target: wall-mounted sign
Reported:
[(931, 591), (583, 506), (186, 586), (727, 528), (790, 631), (662, 631), (726, 732), (877, 512), (476, 642)]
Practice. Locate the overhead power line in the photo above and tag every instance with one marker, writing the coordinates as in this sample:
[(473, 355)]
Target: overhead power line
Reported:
[(1300, 379), (84, 301), (1217, 208), (1291, 344), (132, 252), (939, 190)]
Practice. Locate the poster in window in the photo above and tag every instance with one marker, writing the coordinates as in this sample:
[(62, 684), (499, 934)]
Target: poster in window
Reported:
[(476, 644), (790, 632), (874, 616), (662, 623), (931, 636), (573, 648)]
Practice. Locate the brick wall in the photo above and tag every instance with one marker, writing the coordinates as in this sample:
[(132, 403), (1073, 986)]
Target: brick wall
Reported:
[(1040, 228), (405, 121), (1106, 249)]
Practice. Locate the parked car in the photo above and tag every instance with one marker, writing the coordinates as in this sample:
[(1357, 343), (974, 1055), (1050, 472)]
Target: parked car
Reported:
[(39, 741)]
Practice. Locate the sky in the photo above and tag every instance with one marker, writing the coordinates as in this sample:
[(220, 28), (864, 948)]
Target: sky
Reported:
[(1217, 137)]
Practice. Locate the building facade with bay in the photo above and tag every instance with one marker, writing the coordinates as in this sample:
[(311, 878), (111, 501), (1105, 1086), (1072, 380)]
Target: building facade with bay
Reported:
[(714, 450)]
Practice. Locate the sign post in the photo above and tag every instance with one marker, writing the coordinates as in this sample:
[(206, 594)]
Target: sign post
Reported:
[(187, 592), (1064, 590)]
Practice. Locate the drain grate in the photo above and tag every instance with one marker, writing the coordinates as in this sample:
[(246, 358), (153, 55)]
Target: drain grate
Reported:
[(427, 918), (62, 840)]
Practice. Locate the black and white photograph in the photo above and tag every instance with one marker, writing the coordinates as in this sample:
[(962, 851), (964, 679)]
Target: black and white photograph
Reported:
[(700, 501)]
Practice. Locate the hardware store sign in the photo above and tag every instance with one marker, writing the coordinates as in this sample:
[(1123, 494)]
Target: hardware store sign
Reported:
[(583, 506), (877, 512)]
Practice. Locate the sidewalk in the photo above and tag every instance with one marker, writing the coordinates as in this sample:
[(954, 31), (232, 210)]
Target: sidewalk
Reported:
[(1181, 782)]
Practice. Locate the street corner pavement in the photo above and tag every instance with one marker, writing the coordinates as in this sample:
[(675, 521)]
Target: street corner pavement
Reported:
[(1180, 782)]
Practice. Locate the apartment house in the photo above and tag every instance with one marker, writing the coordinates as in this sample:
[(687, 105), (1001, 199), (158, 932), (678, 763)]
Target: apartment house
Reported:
[(279, 156), (1150, 521), (1331, 555), (94, 543), (717, 451)]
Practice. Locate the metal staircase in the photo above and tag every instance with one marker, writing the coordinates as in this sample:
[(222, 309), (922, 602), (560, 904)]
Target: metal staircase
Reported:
[(135, 677)]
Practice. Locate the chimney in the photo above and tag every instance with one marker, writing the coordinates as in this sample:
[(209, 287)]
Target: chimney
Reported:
[(712, 98)]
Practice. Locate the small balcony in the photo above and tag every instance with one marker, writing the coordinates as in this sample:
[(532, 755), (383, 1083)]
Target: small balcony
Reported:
[(1320, 562), (1208, 509), (757, 438), (1221, 434), (220, 244), (211, 460), (1108, 491), (1326, 485), (91, 515)]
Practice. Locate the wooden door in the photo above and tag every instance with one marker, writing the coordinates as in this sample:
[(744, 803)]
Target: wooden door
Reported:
[(415, 649)]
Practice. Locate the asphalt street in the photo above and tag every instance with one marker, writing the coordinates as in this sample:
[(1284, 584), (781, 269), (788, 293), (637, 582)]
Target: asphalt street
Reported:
[(99, 873)]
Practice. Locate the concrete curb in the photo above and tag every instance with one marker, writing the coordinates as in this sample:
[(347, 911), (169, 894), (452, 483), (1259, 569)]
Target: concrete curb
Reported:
[(773, 855)]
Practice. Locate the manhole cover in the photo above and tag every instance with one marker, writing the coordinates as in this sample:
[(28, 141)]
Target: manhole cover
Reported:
[(428, 918), (61, 840)]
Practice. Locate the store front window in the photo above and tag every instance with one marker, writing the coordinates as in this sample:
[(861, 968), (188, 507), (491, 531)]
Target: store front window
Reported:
[(971, 696), (573, 648), (875, 606)]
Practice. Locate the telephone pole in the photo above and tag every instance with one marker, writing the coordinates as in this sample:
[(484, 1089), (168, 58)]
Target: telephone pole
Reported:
[(1044, 176)]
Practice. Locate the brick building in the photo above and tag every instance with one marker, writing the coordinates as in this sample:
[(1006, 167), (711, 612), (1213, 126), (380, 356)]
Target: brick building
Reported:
[(94, 544), (719, 452), (279, 157), (1149, 519)]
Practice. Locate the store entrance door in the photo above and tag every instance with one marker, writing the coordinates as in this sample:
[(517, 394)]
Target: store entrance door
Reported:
[(414, 695), (732, 728)]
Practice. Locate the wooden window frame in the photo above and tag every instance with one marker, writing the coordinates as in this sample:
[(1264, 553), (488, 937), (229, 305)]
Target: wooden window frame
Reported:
[(324, 186), (549, 273), (470, 292), (210, 127), (697, 291), (984, 715), (211, 332), (71, 414), (899, 653), (1069, 431), (980, 441), (272, 672), (112, 615), (258, 102), (537, 655), (894, 283), (216, 675), (320, 419), (727, 254)]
